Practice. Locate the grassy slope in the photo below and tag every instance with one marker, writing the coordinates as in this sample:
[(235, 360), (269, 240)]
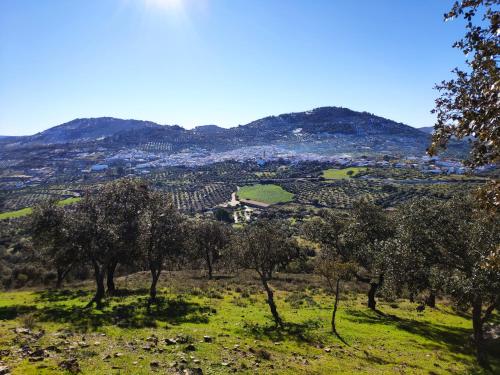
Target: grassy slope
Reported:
[(341, 173), (401, 341), (265, 193), (27, 210)]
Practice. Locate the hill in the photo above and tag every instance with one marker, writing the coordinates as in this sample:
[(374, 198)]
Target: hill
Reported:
[(323, 130)]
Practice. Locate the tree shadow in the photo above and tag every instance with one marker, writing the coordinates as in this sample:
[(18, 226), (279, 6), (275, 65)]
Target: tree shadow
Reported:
[(456, 339), (60, 295), (299, 332), (132, 314), (14, 311)]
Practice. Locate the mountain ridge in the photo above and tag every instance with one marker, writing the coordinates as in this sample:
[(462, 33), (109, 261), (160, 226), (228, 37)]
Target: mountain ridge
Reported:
[(323, 130)]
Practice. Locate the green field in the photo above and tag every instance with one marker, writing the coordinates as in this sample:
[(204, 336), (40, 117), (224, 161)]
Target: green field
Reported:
[(269, 194), (124, 338), (27, 210), (335, 174)]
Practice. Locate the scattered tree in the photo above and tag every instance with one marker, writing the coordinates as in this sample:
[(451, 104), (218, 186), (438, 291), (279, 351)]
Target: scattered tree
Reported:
[(161, 236), (264, 247), (207, 239)]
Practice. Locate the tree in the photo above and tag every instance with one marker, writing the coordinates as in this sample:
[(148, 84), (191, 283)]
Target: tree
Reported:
[(121, 204), (368, 226), (468, 105), (264, 247), (161, 236), (107, 229), (50, 227), (460, 243), (411, 260), (207, 239), (333, 270), (473, 239)]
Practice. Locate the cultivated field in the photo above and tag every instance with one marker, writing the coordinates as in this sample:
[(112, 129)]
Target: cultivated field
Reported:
[(269, 194)]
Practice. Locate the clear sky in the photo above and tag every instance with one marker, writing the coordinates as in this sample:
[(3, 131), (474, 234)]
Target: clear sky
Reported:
[(225, 62)]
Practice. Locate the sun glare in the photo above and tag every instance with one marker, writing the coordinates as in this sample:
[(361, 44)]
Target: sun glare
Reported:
[(165, 4)]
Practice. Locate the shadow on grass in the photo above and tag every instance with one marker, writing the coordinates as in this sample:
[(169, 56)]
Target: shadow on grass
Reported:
[(456, 339), (299, 332), (133, 314), (15, 311), (61, 295)]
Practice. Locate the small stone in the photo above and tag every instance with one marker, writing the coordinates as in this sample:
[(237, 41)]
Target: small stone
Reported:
[(190, 348), (4, 370), (118, 355), (135, 362), (170, 341), (207, 338), (24, 331), (154, 364), (328, 350), (71, 365)]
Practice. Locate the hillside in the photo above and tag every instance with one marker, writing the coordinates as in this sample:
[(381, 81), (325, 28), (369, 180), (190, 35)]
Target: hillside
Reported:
[(323, 130)]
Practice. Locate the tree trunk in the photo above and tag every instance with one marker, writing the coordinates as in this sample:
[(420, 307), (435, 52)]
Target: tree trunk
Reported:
[(59, 280), (412, 297), (100, 291), (110, 282), (374, 285), (335, 305), (477, 325), (155, 276), (431, 299), (209, 264), (270, 302)]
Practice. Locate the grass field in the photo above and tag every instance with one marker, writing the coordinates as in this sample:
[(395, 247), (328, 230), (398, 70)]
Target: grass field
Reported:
[(269, 194), (28, 210), (124, 338), (335, 174)]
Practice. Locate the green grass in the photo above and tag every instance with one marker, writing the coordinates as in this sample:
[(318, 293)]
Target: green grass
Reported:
[(268, 193), (335, 174), (234, 313), (27, 211)]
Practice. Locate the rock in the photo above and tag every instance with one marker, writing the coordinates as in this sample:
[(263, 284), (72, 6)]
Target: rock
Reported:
[(225, 364), (170, 341), (97, 343), (118, 355), (135, 362), (193, 371), (146, 347), (4, 370), (207, 339), (154, 364), (53, 348), (24, 331), (71, 365), (190, 348), (328, 350)]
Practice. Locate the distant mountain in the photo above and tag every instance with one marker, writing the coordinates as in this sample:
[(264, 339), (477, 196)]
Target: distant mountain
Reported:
[(427, 129), (89, 129), (326, 130)]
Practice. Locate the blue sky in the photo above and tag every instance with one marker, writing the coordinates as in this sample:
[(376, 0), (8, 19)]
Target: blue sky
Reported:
[(225, 62)]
